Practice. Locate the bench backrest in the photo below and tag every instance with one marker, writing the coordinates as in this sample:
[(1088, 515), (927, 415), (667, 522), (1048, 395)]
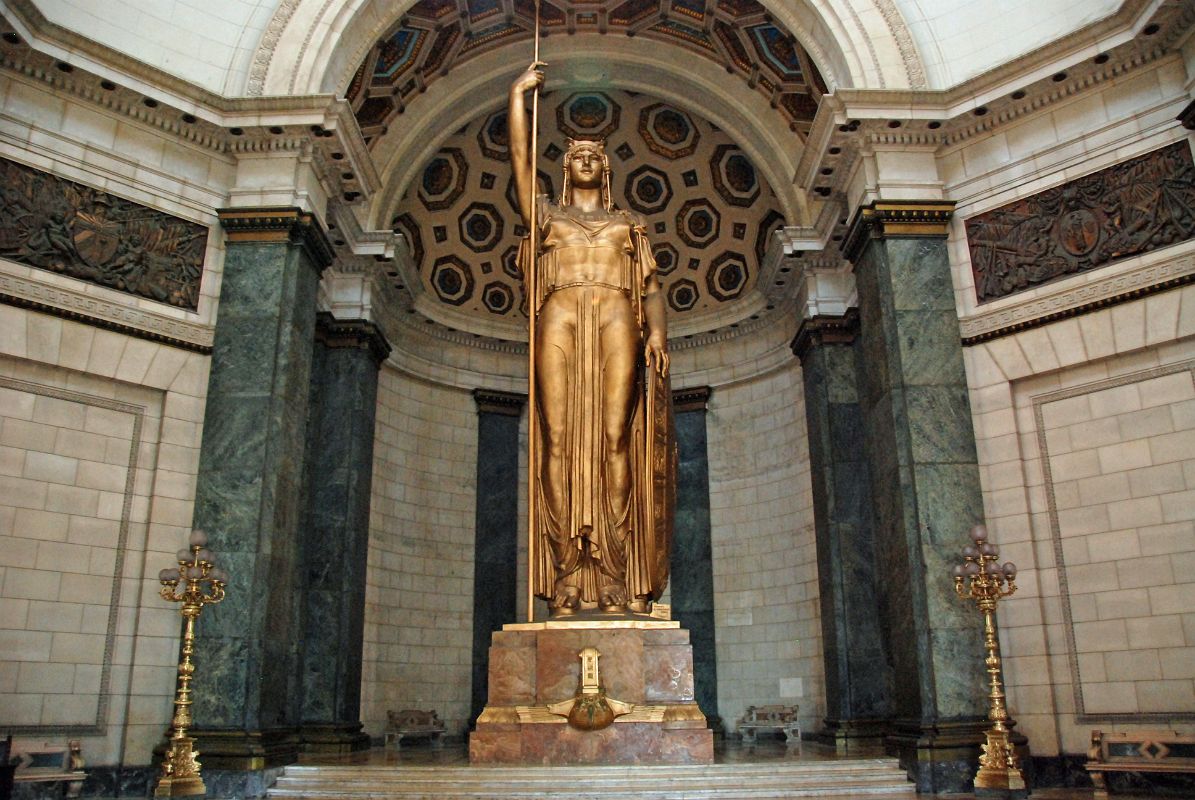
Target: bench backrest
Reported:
[(771, 714), (1137, 746), (412, 718)]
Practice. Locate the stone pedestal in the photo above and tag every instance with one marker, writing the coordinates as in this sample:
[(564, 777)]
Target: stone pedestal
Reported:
[(645, 663)]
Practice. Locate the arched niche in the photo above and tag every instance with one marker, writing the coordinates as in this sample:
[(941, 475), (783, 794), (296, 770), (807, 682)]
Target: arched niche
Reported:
[(481, 85), (313, 46)]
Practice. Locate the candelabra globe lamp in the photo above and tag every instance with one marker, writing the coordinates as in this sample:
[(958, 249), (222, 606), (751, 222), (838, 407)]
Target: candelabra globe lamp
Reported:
[(196, 582), (980, 577)]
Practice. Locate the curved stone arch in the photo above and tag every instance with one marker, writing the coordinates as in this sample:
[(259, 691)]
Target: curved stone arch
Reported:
[(448, 105), (313, 46)]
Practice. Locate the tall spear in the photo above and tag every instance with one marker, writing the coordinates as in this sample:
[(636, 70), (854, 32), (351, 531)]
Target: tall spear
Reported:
[(532, 432)]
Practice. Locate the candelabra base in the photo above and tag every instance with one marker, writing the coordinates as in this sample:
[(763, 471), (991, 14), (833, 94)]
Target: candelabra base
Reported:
[(181, 776), (1001, 783), (999, 775), (190, 786)]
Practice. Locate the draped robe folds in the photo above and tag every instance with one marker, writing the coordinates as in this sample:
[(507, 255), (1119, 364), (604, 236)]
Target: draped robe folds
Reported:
[(590, 545)]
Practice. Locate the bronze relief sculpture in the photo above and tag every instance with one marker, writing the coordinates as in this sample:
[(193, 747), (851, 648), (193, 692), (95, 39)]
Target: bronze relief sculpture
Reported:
[(602, 451)]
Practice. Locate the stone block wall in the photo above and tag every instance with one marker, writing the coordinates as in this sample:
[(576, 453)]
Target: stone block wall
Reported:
[(1088, 487), (419, 583), (767, 614), (99, 437)]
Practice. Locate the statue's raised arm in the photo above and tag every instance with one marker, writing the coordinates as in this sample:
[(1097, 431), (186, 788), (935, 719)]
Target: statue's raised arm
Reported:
[(521, 160)]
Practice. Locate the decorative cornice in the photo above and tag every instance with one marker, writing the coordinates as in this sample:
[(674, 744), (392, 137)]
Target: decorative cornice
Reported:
[(278, 225), (695, 398), (492, 401), (897, 218), (824, 329), (356, 334), (851, 119), (1042, 310), (320, 125), (91, 310)]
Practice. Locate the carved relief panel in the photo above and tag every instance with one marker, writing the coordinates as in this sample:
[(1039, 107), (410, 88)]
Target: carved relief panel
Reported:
[(76, 230), (1117, 212)]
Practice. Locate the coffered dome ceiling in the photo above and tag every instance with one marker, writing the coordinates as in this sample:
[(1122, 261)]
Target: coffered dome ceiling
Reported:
[(434, 36), (709, 212)]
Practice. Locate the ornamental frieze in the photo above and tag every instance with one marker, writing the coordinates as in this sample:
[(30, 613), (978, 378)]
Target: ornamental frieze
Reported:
[(1121, 211), (76, 230)]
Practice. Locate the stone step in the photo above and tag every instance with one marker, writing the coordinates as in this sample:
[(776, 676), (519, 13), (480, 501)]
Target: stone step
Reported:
[(753, 781)]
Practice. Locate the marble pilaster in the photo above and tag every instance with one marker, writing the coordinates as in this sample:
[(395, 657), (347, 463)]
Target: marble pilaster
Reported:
[(495, 570), (858, 677), (249, 488), (340, 435), (920, 445), (692, 567)]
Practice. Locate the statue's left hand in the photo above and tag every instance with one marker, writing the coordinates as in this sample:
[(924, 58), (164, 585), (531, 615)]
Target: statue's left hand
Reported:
[(655, 353)]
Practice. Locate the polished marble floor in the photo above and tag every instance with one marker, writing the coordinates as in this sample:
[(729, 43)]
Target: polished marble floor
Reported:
[(421, 754)]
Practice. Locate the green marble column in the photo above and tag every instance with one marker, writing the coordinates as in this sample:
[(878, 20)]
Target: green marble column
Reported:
[(692, 562), (340, 435), (496, 547), (248, 687), (858, 673), (920, 448)]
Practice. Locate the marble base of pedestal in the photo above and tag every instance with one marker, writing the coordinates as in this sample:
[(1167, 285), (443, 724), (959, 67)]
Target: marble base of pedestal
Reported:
[(644, 662)]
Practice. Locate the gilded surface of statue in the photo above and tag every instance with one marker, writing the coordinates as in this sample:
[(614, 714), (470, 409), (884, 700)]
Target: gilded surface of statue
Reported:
[(603, 455)]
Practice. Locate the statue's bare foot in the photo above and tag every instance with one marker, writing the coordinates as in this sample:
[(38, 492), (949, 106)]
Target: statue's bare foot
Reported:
[(640, 605), (613, 597), (566, 602)]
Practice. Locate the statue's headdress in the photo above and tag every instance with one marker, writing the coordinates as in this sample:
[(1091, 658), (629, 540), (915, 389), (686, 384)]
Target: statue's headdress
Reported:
[(597, 146)]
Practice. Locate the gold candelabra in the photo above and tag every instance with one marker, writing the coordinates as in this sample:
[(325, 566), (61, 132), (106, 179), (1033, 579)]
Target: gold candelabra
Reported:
[(982, 579), (195, 582)]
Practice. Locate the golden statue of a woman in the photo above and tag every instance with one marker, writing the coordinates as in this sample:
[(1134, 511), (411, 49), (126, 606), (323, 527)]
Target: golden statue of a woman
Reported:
[(603, 455)]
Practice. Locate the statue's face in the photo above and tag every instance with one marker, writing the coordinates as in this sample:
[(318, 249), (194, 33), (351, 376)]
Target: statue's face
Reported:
[(585, 168)]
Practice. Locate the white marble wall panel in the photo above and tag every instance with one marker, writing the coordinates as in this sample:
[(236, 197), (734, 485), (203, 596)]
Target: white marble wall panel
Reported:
[(1084, 435), (99, 447)]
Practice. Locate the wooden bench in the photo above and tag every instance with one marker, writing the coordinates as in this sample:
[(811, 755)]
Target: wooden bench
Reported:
[(413, 724), (1139, 751), (770, 718), (52, 764)]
